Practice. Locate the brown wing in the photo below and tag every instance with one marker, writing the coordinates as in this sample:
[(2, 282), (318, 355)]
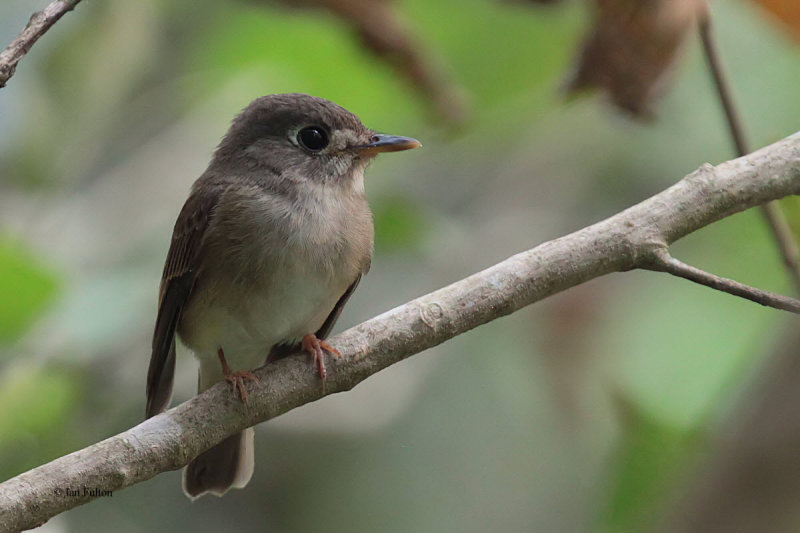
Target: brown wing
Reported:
[(176, 286)]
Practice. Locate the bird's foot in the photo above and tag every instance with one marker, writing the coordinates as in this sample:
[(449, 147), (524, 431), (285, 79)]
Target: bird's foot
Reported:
[(236, 378), (315, 347)]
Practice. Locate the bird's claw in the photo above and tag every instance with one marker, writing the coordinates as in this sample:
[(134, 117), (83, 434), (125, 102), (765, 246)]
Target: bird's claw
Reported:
[(236, 378), (317, 348)]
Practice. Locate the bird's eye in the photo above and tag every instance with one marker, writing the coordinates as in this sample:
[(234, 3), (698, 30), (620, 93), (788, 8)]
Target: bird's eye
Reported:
[(312, 138)]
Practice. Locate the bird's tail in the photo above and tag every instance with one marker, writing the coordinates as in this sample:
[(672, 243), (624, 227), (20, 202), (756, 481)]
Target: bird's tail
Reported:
[(227, 465)]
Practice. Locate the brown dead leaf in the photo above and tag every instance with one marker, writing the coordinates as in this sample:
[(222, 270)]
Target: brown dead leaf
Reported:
[(629, 50), (786, 11)]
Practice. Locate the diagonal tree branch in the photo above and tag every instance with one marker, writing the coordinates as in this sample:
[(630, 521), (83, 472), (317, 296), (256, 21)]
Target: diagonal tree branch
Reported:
[(39, 23), (622, 242)]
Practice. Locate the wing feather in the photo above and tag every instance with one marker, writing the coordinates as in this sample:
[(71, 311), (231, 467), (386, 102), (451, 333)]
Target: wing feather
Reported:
[(177, 281), (327, 326)]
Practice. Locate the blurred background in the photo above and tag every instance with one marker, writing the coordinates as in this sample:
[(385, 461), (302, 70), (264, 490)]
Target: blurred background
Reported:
[(632, 403)]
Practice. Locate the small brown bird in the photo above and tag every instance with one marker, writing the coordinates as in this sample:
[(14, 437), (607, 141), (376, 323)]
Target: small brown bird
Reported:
[(267, 249)]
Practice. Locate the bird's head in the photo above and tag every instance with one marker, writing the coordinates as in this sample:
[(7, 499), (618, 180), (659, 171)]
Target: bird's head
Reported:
[(299, 137)]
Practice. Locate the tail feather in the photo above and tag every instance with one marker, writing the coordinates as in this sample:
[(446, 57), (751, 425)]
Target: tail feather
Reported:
[(227, 465)]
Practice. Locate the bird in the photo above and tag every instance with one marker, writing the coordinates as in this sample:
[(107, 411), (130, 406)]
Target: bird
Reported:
[(272, 241)]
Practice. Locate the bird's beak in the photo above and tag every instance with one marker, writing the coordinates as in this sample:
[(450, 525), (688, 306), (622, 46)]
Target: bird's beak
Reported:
[(387, 143)]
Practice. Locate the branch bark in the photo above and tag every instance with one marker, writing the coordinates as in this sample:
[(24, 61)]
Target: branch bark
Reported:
[(628, 240), (39, 23)]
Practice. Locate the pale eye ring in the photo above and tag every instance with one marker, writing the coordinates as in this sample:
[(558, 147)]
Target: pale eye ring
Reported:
[(313, 138)]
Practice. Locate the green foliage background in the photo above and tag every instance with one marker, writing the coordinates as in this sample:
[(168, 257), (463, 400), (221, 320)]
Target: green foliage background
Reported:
[(582, 413)]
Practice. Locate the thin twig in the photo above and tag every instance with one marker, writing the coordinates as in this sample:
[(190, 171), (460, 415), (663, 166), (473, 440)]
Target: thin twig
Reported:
[(39, 23), (772, 212), (620, 243), (722, 86), (662, 261)]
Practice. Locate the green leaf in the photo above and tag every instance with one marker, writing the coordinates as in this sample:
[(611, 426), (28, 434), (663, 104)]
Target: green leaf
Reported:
[(27, 287), (34, 403), (650, 453)]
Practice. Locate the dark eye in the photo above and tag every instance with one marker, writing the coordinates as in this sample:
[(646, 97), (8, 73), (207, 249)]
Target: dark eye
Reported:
[(312, 138)]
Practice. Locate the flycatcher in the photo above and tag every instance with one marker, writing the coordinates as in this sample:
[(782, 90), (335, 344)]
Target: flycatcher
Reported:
[(269, 246)]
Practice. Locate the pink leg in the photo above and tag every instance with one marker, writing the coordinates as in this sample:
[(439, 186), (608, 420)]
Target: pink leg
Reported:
[(315, 347), (236, 378)]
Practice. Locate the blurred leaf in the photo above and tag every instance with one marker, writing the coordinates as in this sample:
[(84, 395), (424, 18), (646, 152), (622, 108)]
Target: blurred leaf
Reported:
[(501, 52), (791, 207), (34, 405), (650, 454), (383, 32), (630, 49), (543, 2), (399, 225), (285, 51), (27, 287)]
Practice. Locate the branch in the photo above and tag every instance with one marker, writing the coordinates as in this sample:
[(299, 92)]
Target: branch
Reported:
[(39, 23), (663, 262), (772, 212), (623, 242)]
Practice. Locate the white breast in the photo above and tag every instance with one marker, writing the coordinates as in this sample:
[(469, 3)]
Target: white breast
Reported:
[(279, 282)]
